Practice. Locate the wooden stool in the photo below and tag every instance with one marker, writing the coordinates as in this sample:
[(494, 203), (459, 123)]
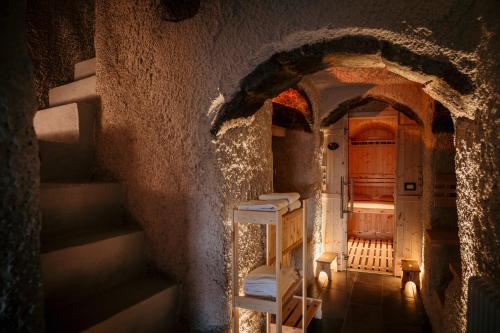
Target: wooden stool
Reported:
[(324, 264), (411, 272)]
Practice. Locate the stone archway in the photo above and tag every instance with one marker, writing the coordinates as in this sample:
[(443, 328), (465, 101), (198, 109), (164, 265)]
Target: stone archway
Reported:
[(440, 79), (285, 69), (344, 107)]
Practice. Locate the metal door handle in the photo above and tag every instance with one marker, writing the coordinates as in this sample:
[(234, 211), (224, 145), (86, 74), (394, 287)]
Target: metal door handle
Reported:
[(350, 204), (341, 197), (351, 195)]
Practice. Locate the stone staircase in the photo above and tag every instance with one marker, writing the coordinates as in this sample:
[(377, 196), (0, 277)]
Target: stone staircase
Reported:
[(94, 270)]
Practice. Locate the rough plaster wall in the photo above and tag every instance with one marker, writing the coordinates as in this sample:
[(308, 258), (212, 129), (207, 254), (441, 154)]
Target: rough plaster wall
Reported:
[(410, 95), (296, 163), (477, 168), (314, 214), (296, 169), (158, 79), (60, 34), (444, 163), (153, 137), (477, 161), (244, 154), (20, 286), (435, 259)]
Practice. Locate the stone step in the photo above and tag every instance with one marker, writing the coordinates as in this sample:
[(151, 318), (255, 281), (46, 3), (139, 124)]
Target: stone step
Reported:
[(70, 123), (72, 206), (84, 69), (65, 162), (147, 304), (83, 90), (88, 261)]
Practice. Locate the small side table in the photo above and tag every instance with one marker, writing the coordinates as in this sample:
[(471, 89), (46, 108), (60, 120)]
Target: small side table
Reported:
[(411, 272), (326, 263)]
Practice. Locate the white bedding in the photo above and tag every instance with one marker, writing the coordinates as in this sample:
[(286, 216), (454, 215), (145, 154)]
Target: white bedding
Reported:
[(262, 281), (261, 205), (294, 205), (290, 196)]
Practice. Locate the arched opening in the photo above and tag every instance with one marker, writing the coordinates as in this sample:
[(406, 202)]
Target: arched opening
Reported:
[(287, 68), (292, 109), (322, 71)]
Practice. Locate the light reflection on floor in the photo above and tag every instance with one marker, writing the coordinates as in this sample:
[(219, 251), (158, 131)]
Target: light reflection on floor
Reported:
[(367, 302)]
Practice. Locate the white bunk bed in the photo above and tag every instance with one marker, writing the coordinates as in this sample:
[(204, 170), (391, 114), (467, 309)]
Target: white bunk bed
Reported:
[(289, 310)]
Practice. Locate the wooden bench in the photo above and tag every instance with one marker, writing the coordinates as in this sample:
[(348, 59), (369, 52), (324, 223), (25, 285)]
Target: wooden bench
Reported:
[(411, 272), (326, 263)]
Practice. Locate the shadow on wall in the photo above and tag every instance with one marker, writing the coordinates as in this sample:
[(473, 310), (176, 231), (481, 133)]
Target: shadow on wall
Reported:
[(163, 216)]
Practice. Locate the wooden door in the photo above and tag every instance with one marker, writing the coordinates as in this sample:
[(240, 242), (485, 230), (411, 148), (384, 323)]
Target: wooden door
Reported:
[(409, 167), (334, 219), (408, 240), (408, 228)]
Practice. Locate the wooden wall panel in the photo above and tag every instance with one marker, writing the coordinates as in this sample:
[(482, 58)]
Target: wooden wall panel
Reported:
[(335, 225), (359, 124), (372, 157), (366, 224), (334, 229), (408, 240), (291, 235), (377, 160), (409, 168), (336, 160)]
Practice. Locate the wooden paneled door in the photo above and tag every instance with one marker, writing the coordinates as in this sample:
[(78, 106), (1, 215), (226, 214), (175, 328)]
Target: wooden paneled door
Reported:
[(335, 198), (408, 222)]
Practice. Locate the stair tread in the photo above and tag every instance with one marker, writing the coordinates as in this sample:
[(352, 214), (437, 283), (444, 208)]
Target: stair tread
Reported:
[(83, 90), (84, 69), (85, 236), (67, 123), (84, 314)]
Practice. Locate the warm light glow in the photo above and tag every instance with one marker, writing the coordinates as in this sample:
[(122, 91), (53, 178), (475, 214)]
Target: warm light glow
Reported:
[(293, 99), (410, 289), (323, 279)]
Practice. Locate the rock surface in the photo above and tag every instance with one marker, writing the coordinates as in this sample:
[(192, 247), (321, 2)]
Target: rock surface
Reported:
[(20, 281), (166, 86)]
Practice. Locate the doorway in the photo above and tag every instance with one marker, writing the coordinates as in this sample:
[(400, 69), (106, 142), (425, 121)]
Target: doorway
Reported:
[(373, 176)]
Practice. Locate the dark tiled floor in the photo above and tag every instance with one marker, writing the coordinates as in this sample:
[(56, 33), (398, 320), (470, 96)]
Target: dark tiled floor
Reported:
[(365, 302)]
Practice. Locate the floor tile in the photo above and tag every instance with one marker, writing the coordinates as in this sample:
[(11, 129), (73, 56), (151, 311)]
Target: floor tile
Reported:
[(391, 283), (366, 294), (341, 280), (394, 328), (363, 318), (329, 325), (370, 278), (335, 304), (364, 302)]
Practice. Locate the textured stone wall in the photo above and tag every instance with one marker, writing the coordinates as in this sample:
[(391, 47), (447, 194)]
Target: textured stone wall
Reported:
[(162, 84), (296, 168), (60, 34), (244, 155), (20, 292)]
